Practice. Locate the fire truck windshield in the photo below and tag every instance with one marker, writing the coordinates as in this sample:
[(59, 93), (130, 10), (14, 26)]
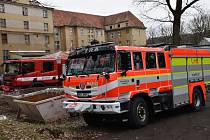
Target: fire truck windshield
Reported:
[(12, 68), (91, 64)]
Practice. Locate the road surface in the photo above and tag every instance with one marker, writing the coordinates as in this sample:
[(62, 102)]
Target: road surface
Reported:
[(180, 124)]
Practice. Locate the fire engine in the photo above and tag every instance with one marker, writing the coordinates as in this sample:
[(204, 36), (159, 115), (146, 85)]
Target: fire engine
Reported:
[(136, 82), (36, 72)]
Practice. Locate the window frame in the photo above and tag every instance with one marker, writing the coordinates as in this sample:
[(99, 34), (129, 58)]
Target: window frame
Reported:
[(2, 8), (45, 13), (27, 39), (142, 62), (3, 23), (26, 25), (147, 60), (164, 60), (4, 40), (53, 66), (118, 52), (25, 11), (30, 67), (46, 39), (46, 27)]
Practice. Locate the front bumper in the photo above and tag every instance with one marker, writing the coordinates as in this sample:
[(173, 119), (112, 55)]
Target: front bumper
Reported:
[(92, 107)]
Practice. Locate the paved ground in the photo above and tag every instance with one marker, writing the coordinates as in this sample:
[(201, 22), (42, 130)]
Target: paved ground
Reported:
[(180, 124)]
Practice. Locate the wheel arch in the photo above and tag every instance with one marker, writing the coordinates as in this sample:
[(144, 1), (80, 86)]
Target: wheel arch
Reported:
[(202, 92), (148, 100)]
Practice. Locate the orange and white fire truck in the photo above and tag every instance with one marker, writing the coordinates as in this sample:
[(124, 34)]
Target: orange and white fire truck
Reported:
[(34, 72), (137, 82)]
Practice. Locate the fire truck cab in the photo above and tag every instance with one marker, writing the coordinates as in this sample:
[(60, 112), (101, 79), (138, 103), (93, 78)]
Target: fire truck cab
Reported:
[(133, 81), (31, 73)]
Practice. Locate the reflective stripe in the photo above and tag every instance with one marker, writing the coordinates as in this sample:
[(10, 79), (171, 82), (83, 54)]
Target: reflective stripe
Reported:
[(194, 68), (206, 61), (178, 61), (183, 86), (194, 61), (179, 82), (40, 78), (178, 68)]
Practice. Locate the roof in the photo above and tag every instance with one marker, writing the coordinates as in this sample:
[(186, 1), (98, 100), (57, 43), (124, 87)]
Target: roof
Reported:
[(32, 3), (67, 18), (124, 17)]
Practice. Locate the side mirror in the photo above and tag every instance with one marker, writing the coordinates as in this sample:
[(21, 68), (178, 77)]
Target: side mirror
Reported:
[(106, 75), (124, 73)]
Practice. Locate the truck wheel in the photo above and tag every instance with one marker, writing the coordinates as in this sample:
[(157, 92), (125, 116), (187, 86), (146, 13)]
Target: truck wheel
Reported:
[(139, 113), (197, 101), (92, 119)]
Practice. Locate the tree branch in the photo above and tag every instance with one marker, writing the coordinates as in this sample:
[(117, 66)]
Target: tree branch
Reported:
[(188, 6), (169, 6)]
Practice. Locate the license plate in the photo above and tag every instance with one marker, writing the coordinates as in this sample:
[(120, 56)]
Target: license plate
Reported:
[(83, 95)]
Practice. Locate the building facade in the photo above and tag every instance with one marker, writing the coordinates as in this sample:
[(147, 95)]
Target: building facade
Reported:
[(73, 30), (26, 29)]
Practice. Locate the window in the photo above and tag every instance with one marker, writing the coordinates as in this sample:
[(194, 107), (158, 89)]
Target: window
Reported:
[(45, 26), (2, 23), (151, 60), (137, 57), (112, 35), (127, 42), (126, 25), (25, 11), (48, 66), (91, 30), (161, 60), (28, 67), (27, 39), (47, 51), (57, 44), (47, 40), (2, 10), (118, 25), (72, 43), (127, 31), (81, 31), (124, 61), (71, 31), (110, 27), (5, 55), (4, 38), (26, 25), (83, 43), (119, 34), (45, 13)]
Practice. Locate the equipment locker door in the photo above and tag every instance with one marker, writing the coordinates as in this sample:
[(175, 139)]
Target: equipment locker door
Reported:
[(179, 76)]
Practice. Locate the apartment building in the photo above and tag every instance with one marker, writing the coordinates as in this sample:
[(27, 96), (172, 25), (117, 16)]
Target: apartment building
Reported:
[(26, 29), (74, 30)]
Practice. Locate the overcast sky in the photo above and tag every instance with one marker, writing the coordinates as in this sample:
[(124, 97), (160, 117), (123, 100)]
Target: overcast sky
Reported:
[(104, 7)]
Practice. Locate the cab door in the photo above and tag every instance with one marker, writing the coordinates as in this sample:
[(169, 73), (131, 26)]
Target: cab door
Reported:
[(152, 72), (125, 73)]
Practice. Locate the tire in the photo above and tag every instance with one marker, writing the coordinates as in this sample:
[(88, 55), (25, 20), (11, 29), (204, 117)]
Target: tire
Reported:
[(197, 100), (92, 119), (139, 113)]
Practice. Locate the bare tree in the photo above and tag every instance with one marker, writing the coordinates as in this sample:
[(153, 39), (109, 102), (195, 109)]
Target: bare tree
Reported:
[(173, 13), (199, 26)]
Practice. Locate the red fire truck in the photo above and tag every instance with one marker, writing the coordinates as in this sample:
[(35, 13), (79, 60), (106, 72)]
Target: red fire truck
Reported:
[(34, 72), (136, 82)]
